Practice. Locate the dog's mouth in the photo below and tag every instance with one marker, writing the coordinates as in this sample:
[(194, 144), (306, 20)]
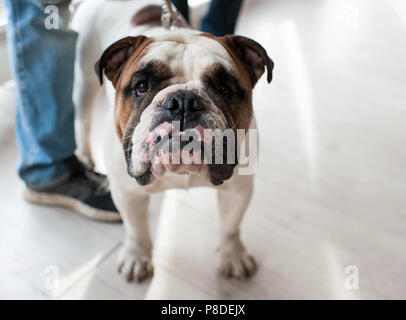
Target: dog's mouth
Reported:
[(196, 150)]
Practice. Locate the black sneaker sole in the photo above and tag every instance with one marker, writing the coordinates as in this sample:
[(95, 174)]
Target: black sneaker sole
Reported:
[(83, 209)]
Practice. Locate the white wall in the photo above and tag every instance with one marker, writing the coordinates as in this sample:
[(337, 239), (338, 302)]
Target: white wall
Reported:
[(5, 73)]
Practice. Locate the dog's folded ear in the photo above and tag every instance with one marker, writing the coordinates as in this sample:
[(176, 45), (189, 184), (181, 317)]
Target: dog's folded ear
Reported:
[(115, 57), (251, 54)]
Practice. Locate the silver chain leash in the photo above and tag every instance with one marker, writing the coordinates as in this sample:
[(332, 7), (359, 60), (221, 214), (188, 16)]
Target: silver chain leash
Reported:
[(170, 16)]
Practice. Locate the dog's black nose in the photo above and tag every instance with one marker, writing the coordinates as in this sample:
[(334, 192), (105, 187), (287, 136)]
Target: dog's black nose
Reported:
[(186, 107), (182, 103)]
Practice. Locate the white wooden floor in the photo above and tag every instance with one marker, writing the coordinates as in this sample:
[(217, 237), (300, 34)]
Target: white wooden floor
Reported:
[(330, 189)]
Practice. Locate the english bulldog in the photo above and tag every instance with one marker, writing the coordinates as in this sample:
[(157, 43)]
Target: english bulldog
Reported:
[(165, 85)]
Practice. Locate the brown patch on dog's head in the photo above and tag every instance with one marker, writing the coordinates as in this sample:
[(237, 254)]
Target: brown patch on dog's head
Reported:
[(247, 54), (232, 94), (129, 108), (115, 57), (251, 60), (112, 63)]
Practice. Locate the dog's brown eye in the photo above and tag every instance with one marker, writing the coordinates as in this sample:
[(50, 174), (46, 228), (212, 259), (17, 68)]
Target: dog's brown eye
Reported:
[(226, 91), (141, 88)]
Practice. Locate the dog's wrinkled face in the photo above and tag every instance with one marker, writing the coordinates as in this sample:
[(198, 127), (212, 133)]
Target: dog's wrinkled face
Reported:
[(176, 87)]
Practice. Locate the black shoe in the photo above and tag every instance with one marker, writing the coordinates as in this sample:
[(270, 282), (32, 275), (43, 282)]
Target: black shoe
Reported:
[(85, 191)]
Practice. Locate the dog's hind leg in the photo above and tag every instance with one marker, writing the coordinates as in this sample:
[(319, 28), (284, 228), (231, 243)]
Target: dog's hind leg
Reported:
[(86, 86), (85, 93)]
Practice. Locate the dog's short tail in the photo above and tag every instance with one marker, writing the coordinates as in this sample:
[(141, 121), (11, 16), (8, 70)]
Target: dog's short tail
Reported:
[(148, 15)]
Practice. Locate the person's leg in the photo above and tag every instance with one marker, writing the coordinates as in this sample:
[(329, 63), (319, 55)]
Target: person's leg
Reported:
[(42, 63), (221, 17), (182, 7)]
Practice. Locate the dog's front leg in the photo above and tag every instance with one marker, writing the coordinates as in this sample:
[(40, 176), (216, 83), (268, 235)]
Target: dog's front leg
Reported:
[(134, 259), (234, 260)]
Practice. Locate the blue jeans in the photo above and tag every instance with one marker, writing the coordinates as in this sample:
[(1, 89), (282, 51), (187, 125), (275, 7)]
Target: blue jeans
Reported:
[(42, 64), (219, 20)]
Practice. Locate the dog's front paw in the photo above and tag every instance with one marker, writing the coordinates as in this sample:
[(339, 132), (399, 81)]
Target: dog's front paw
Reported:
[(235, 262), (134, 265)]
